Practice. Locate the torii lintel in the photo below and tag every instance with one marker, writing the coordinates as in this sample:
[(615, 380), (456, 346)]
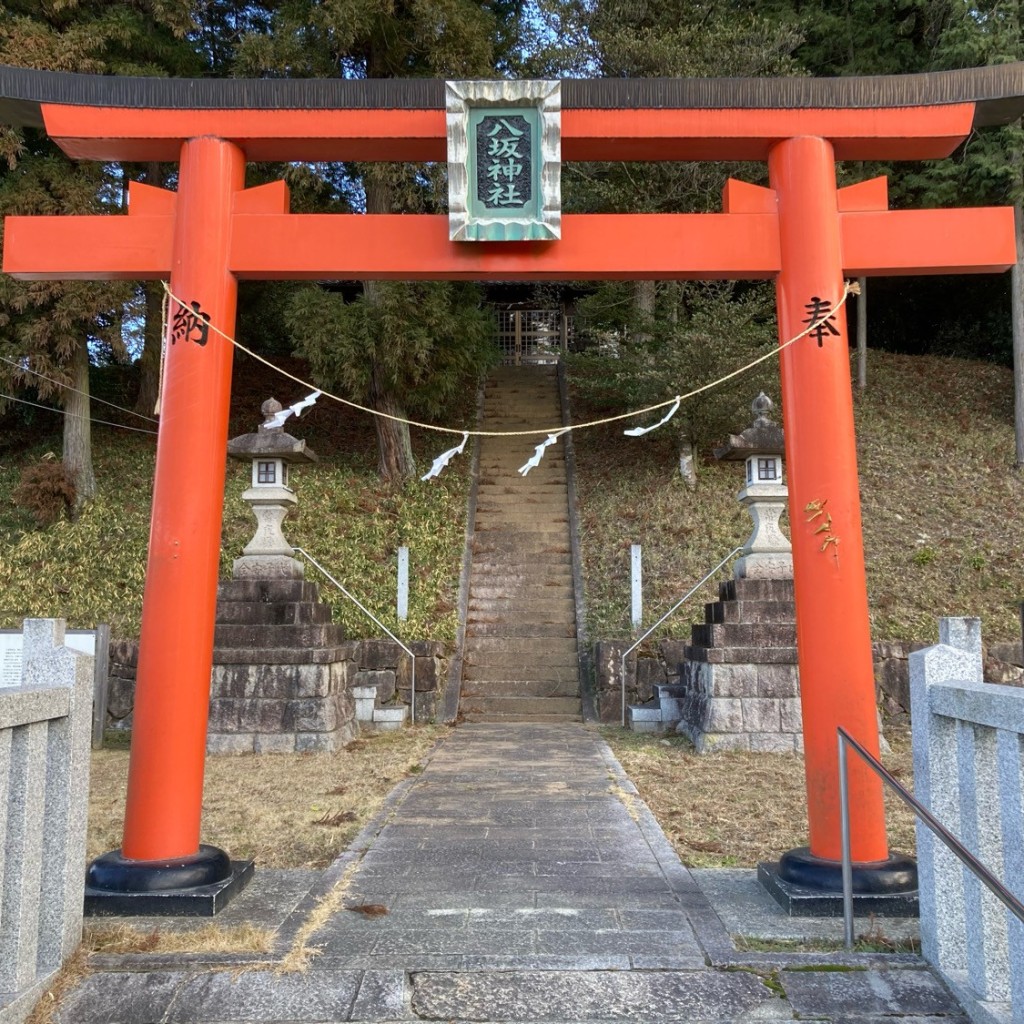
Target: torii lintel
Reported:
[(268, 243)]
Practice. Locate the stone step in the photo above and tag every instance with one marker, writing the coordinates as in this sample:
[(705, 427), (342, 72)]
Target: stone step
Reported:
[(553, 511), (497, 667), (262, 635), (513, 540), (484, 591), (509, 474), (554, 647), (510, 630), (511, 555), (755, 590), (537, 524), (524, 565), (520, 688), (516, 455), (268, 591), (745, 634), (491, 716), (506, 503), (525, 575), (721, 612), (518, 489), (521, 706), (550, 610), (282, 613)]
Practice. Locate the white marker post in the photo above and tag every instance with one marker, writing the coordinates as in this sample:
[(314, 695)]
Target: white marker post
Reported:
[(403, 583), (636, 581)]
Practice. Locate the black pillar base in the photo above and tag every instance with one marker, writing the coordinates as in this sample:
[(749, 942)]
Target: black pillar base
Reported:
[(808, 886), (199, 885)]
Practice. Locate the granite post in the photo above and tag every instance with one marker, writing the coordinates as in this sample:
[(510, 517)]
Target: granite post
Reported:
[(44, 790), (967, 771)]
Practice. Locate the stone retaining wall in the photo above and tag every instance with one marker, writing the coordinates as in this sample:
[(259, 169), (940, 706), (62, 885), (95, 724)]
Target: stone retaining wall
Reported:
[(1004, 663), (268, 701)]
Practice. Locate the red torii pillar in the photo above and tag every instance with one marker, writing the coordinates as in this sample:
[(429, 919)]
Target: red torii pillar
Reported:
[(802, 231)]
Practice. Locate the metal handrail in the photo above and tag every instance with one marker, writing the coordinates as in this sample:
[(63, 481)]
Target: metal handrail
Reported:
[(952, 843), (366, 611), (686, 597)]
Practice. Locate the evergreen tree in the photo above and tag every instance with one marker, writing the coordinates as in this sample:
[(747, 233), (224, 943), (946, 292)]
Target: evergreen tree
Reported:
[(47, 326), (671, 337), (385, 39)]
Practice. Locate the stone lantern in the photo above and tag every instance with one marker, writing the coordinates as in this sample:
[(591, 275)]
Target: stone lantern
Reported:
[(268, 556), (767, 553)]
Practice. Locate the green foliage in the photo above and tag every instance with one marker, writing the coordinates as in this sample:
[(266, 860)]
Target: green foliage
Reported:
[(379, 39), (88, 571), (45, 324), (353, 524), (940, 501), (93, 569), (428, 342), (699, 332)]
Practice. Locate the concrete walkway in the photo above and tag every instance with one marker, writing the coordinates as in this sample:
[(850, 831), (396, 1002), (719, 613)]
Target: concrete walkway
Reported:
[(519, 878)]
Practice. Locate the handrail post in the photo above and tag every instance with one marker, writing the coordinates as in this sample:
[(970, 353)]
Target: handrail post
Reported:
[(366, 611), (622, 680), (951, 842), (686, 597), (844, 828)]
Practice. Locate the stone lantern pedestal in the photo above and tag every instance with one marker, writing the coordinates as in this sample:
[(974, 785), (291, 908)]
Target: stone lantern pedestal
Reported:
[(739, 678), (282, 671), (767, 555)]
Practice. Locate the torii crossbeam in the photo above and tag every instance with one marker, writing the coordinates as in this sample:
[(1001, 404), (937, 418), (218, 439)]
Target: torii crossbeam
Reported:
[(802, 231)]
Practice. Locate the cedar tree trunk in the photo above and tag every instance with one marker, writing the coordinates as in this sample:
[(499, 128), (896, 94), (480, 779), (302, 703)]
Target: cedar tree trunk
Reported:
[(77, 432)]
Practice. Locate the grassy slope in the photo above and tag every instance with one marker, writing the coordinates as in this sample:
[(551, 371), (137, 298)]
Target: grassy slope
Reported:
[(93, 570), (941, 506), (942, 513)]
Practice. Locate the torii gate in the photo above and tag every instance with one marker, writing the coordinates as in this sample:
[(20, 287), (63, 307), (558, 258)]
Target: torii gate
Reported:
[(802, 231)]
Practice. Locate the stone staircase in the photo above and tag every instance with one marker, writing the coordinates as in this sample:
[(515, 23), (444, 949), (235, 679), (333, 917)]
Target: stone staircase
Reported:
[(521, 661)]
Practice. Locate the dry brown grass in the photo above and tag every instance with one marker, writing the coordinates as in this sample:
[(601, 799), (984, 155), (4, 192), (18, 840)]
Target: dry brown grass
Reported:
[(942, 506), (735, 809), (72, 974), (210, 938), (282, 810)]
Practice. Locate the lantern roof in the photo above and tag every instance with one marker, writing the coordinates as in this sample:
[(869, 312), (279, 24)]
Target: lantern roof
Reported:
[(762, 437), (270, 440)]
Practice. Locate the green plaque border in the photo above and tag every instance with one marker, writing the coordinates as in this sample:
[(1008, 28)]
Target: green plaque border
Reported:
[(468, 221)]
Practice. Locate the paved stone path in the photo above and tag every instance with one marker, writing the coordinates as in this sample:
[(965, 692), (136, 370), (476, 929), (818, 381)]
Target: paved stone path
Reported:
[(523, 880)]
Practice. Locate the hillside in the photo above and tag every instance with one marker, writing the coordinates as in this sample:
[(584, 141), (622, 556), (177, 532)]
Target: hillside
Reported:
[(942, 512), (942, 505), (92, 570)]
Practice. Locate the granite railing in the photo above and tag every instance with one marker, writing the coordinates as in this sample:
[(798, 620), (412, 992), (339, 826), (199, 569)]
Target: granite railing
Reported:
[(44, 789), (968, 737)]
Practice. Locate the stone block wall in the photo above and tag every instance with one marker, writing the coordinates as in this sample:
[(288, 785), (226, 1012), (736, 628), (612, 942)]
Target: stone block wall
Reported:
[(44, 797), (642, 674), (1003, 664), (967, 739), (742, 707), (280, 707)]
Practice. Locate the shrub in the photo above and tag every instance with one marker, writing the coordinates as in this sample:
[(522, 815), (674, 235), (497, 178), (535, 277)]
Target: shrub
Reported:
[(46, 491)]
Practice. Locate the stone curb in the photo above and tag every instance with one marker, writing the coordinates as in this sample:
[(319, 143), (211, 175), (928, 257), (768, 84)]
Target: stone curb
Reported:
[(712, 935), (587, 690), (453, 691)]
